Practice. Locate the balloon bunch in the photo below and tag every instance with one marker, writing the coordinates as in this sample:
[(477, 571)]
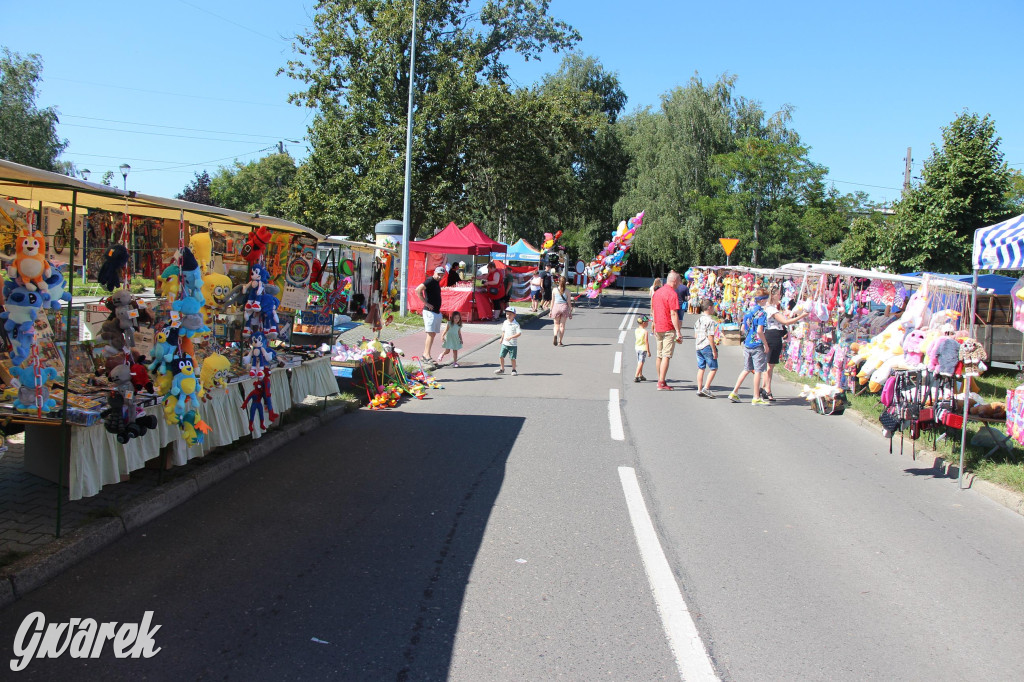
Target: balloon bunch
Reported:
[(550, 239), (608, 263)]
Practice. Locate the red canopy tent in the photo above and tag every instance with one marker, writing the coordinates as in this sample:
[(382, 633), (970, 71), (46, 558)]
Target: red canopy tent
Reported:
[(477, 236), (449, 240)]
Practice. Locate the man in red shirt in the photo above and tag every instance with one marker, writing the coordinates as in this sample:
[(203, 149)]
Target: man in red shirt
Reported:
[(665, 308)]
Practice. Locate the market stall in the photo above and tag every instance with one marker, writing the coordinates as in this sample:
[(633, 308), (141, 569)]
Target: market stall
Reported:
[(427, 254), (210, 360), (521, 250)]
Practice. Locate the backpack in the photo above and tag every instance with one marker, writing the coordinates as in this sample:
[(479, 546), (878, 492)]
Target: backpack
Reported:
[(751, 321)]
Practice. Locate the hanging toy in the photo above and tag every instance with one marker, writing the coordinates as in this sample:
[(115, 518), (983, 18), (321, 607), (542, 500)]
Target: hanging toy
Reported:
[(185, 390), (19, 317), (163, 350), (122, 310), (216, 288), (268, 315), (27, 389), (122, 416), (191, 276), (30, 266), (256, 244), (115, 260), (260, 354), (56, 290), (168, 283), (254, 291), (213, 373), (193, 428), (259, 397), (201, 246)]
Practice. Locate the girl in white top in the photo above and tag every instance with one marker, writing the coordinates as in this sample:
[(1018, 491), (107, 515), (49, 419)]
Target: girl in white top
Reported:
[(536, 286), (774, 330)]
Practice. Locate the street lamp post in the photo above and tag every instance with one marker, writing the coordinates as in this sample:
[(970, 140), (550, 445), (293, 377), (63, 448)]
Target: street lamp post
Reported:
[(403, 280), (85, 173), (125, 168)]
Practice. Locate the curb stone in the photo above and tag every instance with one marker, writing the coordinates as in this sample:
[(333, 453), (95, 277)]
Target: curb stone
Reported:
[(36, 569), (1010, 499), (26, 574)]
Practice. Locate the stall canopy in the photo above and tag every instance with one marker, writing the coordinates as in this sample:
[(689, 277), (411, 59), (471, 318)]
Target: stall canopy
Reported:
[(999, 284), (449, 240), (477, 236), (521, 250), (1000, 246), (32, 186)]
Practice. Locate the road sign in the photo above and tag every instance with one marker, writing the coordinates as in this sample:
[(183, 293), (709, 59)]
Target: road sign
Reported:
[(580, 266), (728, 245)]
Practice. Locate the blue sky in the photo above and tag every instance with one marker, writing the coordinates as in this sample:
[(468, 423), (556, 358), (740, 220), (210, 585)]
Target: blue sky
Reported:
[(866, 80)]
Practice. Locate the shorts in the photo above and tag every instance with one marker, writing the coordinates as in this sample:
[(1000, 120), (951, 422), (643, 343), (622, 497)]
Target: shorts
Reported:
[(754, 359), (547, 295), (641, 355), (432, 321), (666, 343), (509, 351), (706, 358), (535, 295), (774, 339)]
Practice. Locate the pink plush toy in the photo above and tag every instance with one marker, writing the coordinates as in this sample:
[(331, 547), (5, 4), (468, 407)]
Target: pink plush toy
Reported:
[(913, 347)]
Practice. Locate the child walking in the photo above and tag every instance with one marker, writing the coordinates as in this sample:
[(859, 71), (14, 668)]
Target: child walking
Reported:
[(707, 349), (452, 338), (510, 333), (642, 346)]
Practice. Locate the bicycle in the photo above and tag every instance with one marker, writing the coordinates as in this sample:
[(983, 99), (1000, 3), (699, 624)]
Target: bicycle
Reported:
[(62, 236)]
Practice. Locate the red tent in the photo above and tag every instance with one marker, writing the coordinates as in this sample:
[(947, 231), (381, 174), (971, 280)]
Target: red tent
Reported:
[(477, 236), (450, 240)]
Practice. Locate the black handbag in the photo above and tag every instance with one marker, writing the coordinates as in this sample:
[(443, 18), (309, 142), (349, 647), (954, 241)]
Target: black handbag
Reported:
[(890, 422)]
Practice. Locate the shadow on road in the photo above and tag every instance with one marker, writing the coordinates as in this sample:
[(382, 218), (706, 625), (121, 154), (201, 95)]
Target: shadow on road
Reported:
[(343, 556)]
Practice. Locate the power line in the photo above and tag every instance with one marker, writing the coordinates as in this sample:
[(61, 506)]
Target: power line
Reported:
[(862, 184), (178, 165), (154, 125), (232, 22), (164, 92), (146, 132)]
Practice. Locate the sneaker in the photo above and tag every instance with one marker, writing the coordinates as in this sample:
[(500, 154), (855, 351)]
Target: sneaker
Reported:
[(758, 401), (643, 378), (455, 364), (733, 397), (637, 380), (700, 393), (708, 394), (499, 371), (515, 373), (665, 387)]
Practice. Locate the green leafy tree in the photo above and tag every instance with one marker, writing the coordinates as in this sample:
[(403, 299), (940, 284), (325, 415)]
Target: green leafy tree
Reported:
[(354, 64), (1015, 195), (263, 186), (198, 191), (965, 185), (29, 134)]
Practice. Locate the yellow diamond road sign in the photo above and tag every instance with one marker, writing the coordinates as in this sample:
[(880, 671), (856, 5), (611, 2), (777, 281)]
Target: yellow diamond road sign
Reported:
[(728, 245)]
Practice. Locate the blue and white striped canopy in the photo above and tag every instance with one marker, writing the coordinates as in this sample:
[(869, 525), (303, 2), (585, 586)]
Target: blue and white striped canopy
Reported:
[(1000, 246)]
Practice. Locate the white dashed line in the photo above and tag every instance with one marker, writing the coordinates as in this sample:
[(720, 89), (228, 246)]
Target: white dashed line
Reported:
[(625, 319), (691, 656), (617, 364), (615, 415), (622, 337)]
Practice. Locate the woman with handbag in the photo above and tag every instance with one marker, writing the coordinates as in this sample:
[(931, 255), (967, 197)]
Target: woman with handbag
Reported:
[(774, 330)]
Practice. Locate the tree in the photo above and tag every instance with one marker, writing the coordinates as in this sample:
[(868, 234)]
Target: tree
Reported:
[(354, 66), (263, 186), (965, 184), (29, 133), (198, 191)]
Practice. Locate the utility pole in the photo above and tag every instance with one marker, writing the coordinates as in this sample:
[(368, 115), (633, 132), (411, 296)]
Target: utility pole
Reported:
[(906, 172), (280, 147)]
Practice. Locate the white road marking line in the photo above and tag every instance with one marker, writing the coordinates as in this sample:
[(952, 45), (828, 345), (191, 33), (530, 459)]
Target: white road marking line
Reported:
[(632, 308), (622, 337), (615, 415), (617, 364), (691, 656)]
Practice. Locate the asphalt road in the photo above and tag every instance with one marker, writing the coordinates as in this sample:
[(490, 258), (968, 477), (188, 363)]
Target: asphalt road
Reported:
[(484, 534)]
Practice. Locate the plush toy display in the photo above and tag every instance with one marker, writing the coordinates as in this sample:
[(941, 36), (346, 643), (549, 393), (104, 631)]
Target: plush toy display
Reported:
[(201, 245), (256, 244), (185, 390), (122, 416), (120, 304), (26, 385), (973, 355), (213, 373), (115, 260), (19, 317), (216, 288), (56, 290), (30, 266), (913, 346), (260, 354)]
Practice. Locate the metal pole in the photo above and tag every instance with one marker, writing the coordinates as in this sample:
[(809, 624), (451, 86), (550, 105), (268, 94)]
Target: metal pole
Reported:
[(967, 385), (404, 277), (65, 428)]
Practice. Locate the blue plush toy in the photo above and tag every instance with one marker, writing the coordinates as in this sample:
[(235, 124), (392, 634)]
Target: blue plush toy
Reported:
[(163, 350), (26, 400), (268, 315), (191, 277), (260, 355), (19, 317), (190, 317), (56, 289), (186, 387)]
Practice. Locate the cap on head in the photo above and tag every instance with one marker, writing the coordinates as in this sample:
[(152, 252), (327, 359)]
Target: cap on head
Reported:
[(642, 319), (439, 270), (510, 309)]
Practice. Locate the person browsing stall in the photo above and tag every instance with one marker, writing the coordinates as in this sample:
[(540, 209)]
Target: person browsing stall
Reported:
[(755, 349), (774, 329), (429, 293), (665, 308)]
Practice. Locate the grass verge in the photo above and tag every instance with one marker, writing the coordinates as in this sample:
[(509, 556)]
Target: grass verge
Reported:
[(1001, 468)]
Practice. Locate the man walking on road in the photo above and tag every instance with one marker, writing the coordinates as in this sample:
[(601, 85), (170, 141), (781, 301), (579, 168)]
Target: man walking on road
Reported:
[(665, 308), (430, 293)]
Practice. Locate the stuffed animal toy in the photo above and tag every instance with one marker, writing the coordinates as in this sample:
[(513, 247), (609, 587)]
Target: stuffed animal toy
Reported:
[(30, 266), (120, 304), (256, 244), (213, 373), (191, 276), (122, 416), (973, 355), (26, 384), (19, 316), (56, 290), (185, 390), (945, 353), (201, 245), (268, 315), (140, 378), (189, 317), (165, 345), (115, 260), (913, 347), (259, 397), (260, 354), (216, 288), (193, 428), (168, 283)]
